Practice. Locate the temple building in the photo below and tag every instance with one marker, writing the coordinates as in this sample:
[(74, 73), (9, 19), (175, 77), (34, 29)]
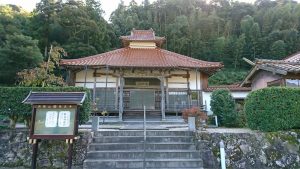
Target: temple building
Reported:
[(140, 74)]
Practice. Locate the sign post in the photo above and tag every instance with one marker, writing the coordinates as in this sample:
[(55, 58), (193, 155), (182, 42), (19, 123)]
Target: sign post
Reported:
[(34, 154), (54, 116), (70, 148)]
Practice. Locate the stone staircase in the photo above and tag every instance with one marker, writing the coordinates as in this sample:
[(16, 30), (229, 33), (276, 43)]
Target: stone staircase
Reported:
[(124, 149)]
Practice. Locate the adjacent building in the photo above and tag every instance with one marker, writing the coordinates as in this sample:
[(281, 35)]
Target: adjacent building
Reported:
[(238, 93), (266, 72)]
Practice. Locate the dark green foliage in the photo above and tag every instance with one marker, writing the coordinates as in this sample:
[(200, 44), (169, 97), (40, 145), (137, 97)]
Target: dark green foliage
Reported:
[(239, 108), (11, 101), (222, 105), (227, 76), (18, 52), (273, 109), (223, 31), (77, 50)]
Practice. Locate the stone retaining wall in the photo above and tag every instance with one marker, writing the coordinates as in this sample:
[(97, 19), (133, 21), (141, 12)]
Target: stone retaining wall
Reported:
[(15, 150), (255, 150)]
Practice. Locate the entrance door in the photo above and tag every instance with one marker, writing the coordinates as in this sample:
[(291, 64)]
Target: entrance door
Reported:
[(139, 98)]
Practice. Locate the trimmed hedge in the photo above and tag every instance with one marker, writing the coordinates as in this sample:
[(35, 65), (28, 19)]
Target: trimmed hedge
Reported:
[(223, 105), (273, 109), (11, 101)]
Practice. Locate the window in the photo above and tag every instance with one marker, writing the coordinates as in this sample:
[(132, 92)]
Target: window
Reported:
[(278, 82), (292, 82), (105, 99), (178, 100)]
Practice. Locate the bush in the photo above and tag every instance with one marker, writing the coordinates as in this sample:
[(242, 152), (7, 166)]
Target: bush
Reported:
[(239, 108), (273, 109), (11, 102), (194, 112), (222, 105)]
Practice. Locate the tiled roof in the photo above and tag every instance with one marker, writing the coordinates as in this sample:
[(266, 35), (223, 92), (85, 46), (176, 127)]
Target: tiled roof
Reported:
[(291, 65), (135, 57), (293, 58), (235, 87), (142, 35)]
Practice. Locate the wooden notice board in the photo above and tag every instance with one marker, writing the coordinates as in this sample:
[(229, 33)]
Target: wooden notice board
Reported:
[(54, 122)]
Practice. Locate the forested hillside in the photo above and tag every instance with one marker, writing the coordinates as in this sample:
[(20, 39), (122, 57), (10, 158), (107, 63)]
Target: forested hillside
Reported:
[(220, 30)]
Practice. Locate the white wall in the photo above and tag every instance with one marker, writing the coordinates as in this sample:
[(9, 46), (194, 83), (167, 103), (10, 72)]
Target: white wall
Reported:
[(180, 82), (207, 98), (173, 82), (80, 79)]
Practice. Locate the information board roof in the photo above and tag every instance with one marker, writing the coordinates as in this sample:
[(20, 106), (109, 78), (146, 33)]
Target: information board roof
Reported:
[(55, 98)]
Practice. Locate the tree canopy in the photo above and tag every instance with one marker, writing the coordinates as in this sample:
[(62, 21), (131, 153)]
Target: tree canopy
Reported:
[(218, 30)]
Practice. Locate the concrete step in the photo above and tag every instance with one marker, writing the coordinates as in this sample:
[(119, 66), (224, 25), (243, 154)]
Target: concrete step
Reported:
[(124, 149), (138, 163), (141, 133), (140, 115), (139, 139), (179, 168), (141, 122), (140, 146), (139, 154)]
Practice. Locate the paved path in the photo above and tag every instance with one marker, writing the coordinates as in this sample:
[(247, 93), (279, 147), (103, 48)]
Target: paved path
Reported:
[(228, 130)]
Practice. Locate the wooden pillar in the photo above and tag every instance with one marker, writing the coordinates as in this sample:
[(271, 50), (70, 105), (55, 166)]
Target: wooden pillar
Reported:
[(204, 81), (70, 78), (95, 119), (117, 93), (94, 89), (121, 106), (85, 76), (197, 89), (167, 94), (105, 94), (204, 85), (162, 88), (188, 89)]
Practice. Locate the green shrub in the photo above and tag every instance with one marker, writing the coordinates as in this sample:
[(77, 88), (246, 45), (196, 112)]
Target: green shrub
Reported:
[(273, 109), (241, 116), (222, 104), (11, 102)]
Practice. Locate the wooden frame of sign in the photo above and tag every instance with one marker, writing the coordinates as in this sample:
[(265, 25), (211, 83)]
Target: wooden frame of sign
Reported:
[(54, 116), (53, 129)]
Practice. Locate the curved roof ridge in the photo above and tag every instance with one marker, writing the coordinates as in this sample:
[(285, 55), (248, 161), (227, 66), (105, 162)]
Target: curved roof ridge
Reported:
[(180, 56), (142, 57), (95, 56)]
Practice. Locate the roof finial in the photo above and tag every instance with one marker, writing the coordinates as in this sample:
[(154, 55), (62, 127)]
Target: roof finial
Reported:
[(133, 29), (152, 32)]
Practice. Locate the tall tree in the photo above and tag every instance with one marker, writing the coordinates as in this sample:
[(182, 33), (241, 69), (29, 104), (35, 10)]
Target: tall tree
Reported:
[(43, 20), (278, 50), (18, 52)]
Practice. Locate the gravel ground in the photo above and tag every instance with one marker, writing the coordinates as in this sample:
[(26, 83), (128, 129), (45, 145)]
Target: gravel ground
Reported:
[(228, 130)]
